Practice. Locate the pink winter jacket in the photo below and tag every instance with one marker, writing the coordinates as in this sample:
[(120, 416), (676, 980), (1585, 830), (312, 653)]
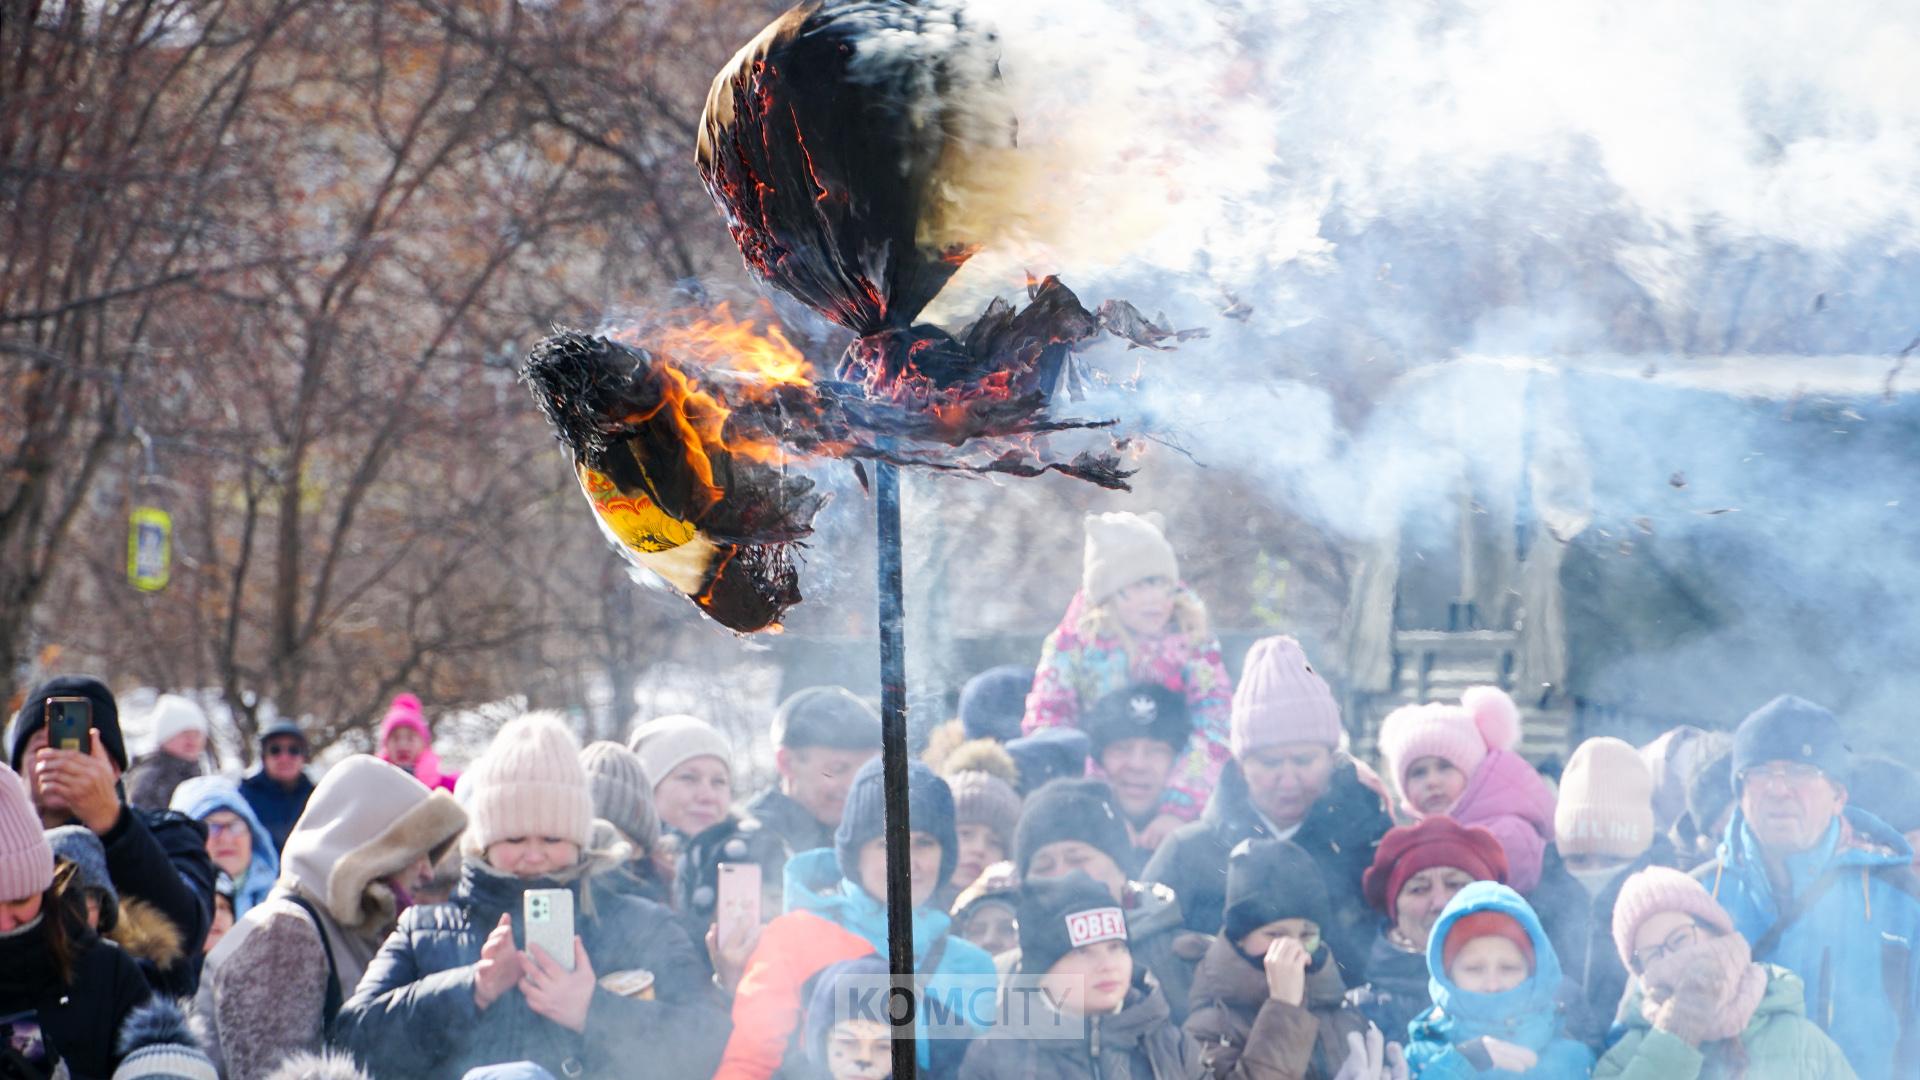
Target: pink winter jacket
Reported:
[(1074, 672), (1507, 797)]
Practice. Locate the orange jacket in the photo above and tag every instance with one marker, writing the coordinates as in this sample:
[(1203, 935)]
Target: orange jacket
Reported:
[(766, 1008)]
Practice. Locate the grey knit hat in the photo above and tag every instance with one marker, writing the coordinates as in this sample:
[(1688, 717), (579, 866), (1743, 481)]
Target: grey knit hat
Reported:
[(622, 792), (78, 845)]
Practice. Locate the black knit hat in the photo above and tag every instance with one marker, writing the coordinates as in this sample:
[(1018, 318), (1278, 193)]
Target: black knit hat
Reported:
[(993, 703), (1049, 754), (1059, 915), (1270, 880), (729, 840), (106, 716), (1080, 810), (1143, 710), (1791, 729), (1710, 792), (929, 809), (829, 716), (1888, 790)]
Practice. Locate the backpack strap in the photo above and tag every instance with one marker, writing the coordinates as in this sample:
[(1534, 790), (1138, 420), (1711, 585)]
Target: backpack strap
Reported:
[(334, 1001), (1764, 945)]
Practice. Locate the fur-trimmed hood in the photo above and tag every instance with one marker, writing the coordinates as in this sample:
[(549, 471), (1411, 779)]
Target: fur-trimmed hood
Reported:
[(146, 934), (366, 821)]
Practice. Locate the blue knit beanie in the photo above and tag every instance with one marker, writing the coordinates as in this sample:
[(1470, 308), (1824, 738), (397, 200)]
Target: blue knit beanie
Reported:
[(930, 810), (993, 703), (1791, 729)]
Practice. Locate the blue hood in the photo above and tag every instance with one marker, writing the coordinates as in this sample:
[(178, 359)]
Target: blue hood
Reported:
[(201, 796), (1525, 1015), (813, 883)]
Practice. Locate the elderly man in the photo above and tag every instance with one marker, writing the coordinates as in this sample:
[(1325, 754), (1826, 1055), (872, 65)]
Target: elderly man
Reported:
[(1820, 887)]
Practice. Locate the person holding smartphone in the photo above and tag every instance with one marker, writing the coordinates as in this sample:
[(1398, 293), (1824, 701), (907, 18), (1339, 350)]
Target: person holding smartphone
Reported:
[(155, 856), (496, 976)]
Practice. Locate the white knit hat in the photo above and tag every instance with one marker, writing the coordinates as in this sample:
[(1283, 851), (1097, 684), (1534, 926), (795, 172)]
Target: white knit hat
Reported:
[(26, 859), (663, 745), (173, 714), (1124, 549), (530, 783), (1606, 801)]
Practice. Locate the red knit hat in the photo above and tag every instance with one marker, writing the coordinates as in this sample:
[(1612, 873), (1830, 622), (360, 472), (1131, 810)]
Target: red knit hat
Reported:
[(1486, 924), (1435, 841)]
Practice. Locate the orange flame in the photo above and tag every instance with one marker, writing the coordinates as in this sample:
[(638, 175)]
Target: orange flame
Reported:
[(726, 344)]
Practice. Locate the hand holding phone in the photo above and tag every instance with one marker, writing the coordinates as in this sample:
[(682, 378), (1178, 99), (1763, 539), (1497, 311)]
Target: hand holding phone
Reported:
[(70, 724), (737, 900), (548, 917)]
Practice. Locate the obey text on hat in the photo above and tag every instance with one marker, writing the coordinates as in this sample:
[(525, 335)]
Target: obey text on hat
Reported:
[(1096, 925)]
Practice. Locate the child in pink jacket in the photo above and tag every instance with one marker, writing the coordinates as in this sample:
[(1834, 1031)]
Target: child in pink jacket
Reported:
[(1133, 621), (1459, 761)]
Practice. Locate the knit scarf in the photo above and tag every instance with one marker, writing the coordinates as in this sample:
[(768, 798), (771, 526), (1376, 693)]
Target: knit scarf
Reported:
[(1721, 980)]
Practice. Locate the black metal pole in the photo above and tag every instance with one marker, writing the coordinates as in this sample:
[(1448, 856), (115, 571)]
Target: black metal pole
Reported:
[(893, 754)]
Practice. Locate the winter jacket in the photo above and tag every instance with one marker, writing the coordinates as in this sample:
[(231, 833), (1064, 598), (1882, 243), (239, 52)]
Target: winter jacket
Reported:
[(1507, 797), (638, 878), (1855, 946), (1340, 831), (1581, 928), (160, 858), (1526, 1016), (1161, 944), (1244, 1034), (81, 1019), (1780, 1043), (790, 821), (152, 779), (414, 1013), (278, 808), (264, 995), (1140, 1042), (202, 796), (829, 919), (1076, 671), (1398, 987)]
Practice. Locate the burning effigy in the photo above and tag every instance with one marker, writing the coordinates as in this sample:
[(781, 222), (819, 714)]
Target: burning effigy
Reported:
[(848, 146)]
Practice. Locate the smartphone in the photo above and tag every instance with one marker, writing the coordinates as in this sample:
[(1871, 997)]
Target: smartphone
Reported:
[(737, 902), (548, 917), (70, 724)]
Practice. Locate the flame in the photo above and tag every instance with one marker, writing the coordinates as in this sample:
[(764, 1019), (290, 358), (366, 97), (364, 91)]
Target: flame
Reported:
[(722, 343)]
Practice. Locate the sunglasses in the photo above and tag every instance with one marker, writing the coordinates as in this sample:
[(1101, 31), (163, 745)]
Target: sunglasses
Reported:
[(285, 750)]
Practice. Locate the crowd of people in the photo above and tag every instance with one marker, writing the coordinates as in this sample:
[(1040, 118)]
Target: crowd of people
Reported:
[(1197, 873)]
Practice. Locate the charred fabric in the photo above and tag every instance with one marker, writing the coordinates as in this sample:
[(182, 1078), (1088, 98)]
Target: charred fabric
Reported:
[(832, 143)]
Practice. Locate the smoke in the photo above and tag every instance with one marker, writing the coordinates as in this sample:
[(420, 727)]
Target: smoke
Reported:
[(1653, 230)]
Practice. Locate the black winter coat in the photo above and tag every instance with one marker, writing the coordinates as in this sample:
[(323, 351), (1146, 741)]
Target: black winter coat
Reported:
[(1340, 832), (83, 1020), (1581, 929), (1398, 990), (277, 808), (161, 857), (414, 1017)]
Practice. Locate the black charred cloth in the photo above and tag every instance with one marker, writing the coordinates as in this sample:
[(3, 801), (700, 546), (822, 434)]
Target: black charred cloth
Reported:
[(1143, 710)]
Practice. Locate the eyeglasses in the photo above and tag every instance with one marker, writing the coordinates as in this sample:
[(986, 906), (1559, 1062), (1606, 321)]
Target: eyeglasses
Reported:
[(1680, 939), (222, 828), (1782, 772), (285, 750)]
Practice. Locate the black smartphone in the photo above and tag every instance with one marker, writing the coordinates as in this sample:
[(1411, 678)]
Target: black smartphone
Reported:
[(70, 724)]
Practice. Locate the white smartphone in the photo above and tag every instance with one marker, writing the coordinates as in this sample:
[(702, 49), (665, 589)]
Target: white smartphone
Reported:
[(548, 917), (737, 899)]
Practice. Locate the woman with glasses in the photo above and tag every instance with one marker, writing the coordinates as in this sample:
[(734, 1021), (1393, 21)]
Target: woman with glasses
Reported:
[(237, 843), (1702, 1007), (1267, 998)]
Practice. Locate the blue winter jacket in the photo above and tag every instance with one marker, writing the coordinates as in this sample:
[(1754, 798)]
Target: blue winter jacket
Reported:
[(814, 884), (201, 796), (1526, 1016), (1853, 948)]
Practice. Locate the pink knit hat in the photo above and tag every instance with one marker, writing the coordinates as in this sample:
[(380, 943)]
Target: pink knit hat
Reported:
[(1606, 801), (1486, 719), (405, 712), (530, 783), (1658, 889), (1281, 699), (26, 860)]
